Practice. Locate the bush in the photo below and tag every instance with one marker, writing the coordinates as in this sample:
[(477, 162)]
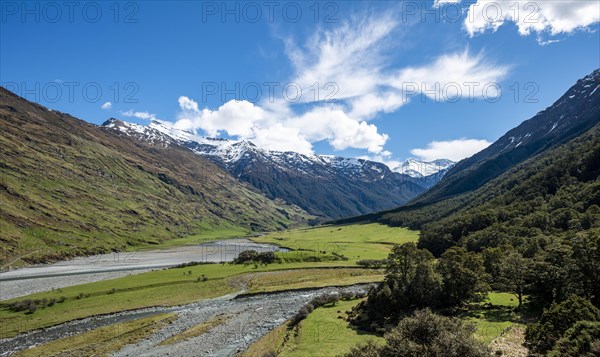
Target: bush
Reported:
[(246, 256), (428, 335), (372, 263), (368, 349), (266, 257)]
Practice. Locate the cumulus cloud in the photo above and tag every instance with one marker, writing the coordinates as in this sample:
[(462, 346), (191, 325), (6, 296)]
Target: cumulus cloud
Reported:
[(553, 17), (454, 150), (140, 115), (106, 106), (235, 118), (269, 130)]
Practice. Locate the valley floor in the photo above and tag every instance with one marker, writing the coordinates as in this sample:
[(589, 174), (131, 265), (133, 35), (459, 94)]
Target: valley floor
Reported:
[(191, 310)]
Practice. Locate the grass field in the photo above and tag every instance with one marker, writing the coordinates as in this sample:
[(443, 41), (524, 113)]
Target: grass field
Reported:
[(211, 234), (323, 333), (492, 321), (357, 242)]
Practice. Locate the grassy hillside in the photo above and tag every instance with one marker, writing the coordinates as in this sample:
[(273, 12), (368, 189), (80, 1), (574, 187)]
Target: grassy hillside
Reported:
[(69, 188)]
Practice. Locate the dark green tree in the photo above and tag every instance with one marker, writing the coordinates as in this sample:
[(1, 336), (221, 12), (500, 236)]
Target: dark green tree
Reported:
[(463, 276), (541, 337), (581, 340), (515, 271)]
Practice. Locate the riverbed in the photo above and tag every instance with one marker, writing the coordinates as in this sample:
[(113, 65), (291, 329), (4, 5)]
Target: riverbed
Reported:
[(45, 277)]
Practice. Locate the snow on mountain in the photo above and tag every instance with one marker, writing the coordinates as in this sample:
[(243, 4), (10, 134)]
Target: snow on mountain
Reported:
[(416, 168)]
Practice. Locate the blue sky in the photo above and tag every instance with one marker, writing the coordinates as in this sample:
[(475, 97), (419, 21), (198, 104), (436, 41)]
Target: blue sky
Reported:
[(202, 66)]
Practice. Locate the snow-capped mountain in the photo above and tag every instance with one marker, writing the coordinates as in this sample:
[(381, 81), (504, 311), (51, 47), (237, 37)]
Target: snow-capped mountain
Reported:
[(416, 168), (324, 185)]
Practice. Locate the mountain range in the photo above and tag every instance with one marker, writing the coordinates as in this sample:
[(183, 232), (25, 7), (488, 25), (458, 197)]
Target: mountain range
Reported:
[(325, 186)]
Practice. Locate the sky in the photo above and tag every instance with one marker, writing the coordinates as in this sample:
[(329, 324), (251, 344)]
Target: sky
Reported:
[(380, 80)]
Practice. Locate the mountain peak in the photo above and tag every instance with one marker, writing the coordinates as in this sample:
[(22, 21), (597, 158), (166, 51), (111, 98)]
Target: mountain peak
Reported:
[(416, 168)]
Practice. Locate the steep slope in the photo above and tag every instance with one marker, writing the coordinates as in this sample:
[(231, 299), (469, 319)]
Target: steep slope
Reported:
[(326, 186), (572, 114), (70, 188), (553, 195), (471, 182)]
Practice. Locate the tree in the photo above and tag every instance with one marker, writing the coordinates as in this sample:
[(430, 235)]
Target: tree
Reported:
[(403, 261), (541, 337), (514, 273), (463, 276), (586, 264), (552, 273), (411, 282)]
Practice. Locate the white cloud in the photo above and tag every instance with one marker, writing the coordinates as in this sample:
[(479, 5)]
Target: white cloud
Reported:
[(269, 130), (106, 106), (235, 118), (553, 17), (140, 115), (439, 3), (349, 56), (454, 150), (452, 76)]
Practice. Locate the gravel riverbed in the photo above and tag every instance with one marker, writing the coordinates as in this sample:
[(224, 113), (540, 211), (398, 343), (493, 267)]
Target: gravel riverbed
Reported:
[(246, 320)]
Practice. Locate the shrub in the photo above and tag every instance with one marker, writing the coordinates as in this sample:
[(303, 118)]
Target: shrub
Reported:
[(372, 263), (266, 257), (246, 256), (426, 334), (368, 349)]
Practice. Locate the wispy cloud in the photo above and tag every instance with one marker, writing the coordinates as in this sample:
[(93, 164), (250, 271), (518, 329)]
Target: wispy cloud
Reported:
[(140, 115), (106, 106)]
